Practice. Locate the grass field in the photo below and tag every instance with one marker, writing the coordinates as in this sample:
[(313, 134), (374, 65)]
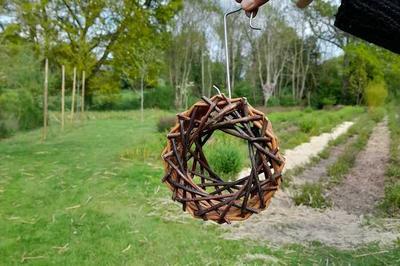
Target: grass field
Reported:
[(92, 196)]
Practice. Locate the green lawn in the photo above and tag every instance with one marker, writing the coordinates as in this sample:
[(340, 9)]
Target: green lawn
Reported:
[(92, 196)]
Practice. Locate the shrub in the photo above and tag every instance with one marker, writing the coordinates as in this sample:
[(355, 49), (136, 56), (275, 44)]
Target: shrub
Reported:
[(225, 159), (18, 111), (328, 101), (126, 100), (273, 101), (307, 124), (376, 114), (162, 97), (311, 195), (376, 93), (166, 123), (253, 94), (287, 100)]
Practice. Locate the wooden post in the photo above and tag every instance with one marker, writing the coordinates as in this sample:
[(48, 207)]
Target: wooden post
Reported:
[(83, 93), (78, 94), (73, 95), (141, 96), (45, 104), (62, 97)]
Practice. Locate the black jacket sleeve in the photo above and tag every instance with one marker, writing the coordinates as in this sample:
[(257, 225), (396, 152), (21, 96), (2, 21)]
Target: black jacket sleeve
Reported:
[(376, 21)]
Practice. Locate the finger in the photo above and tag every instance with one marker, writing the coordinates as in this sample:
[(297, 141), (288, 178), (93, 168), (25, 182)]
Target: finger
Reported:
[(254, 12), (303, 3), (251, 5)]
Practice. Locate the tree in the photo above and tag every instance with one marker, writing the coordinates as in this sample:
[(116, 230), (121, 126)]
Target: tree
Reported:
[(272, 51), (86, 33), (187, 45)]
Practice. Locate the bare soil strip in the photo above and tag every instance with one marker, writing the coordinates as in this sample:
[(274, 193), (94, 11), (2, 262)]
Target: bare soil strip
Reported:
[(319, 171), (303, 153), (364, 186), (284, 223)]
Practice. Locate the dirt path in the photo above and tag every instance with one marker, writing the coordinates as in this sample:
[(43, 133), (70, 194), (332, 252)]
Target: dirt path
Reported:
[(318, 172), (303, 153), (364, 186), (284, 223)]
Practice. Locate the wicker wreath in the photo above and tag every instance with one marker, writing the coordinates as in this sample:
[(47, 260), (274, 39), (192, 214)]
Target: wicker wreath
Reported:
[(212, 198)]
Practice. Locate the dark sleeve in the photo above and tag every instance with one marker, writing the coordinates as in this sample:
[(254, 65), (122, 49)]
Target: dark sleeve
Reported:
[(376, 21)]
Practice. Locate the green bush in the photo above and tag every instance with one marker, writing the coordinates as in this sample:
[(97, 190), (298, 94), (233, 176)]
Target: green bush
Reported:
[(18, 111), (311, 195), (166, 123), (253, 95), (307, 124), (21, 85), (376, 114), (162, 98), (117, 101), (225, 159), (376, 93), (328, 101), (287, 100), (273, 101)]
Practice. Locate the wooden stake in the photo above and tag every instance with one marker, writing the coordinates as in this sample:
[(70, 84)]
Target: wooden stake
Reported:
[(45, 104), (83, 92), (62, 97), (78, 93), (141, 96), (73, 95)]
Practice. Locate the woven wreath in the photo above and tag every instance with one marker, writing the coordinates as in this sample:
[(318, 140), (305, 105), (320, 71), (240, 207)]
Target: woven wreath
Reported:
[(212, 198)]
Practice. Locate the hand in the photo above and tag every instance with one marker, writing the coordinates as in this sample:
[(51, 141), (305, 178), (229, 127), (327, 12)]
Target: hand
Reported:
[(303, 3), (251, 6)]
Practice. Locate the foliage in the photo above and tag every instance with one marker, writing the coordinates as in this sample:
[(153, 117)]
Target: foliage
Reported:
[(226, 154), (311, 194), (20, 87), (376, 93), (18, 111), (89, 35), (160, 97), (166, 123), (253, 94)]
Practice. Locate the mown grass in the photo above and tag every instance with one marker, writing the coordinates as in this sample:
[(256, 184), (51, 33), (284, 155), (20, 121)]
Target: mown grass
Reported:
[(73, 201)]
